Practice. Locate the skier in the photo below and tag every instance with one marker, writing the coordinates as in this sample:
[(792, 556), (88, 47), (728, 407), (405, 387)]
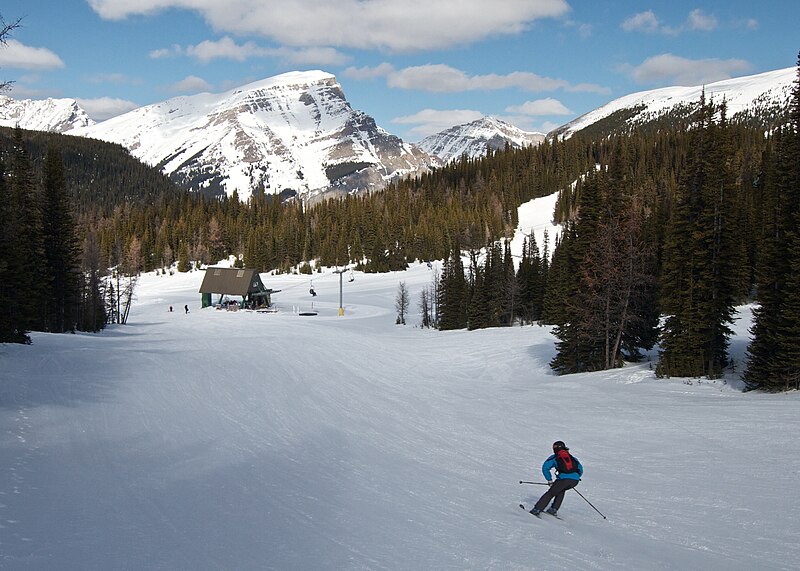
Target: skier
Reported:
[(186, 308), (568, 473)]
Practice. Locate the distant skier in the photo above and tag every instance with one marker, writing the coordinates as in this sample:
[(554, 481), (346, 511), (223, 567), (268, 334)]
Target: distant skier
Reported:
[(186, 308), (568, 473)]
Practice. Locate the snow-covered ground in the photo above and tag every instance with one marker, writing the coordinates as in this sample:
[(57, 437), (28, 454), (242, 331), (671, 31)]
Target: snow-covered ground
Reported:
[(217, 440)]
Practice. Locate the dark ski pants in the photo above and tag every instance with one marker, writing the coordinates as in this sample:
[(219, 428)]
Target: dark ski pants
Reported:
[(556, 493)]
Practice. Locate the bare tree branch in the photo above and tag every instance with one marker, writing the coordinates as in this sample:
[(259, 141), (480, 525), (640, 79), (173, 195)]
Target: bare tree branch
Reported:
[(5, 32)]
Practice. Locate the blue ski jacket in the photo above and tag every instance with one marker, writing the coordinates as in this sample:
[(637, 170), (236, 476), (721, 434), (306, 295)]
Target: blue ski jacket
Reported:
[(550, 464)]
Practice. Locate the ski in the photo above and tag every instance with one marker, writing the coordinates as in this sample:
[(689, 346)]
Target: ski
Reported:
[(527, 510), (539, 515)]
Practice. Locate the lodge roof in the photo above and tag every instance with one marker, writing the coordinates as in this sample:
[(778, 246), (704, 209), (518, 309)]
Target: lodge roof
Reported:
[(231, 281)]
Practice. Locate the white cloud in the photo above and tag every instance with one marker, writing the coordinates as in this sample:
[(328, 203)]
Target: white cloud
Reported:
[(412, 25), (208, 50), (364, 73), (675, 70), (648, 22), (322, 56), (191, 84), (19, 56), (224, 48), (700, 21), (103, 108), (548, 106), (115, 78), (440, 78), (430, 121), (227, 48), (167, 52), (642, 22)]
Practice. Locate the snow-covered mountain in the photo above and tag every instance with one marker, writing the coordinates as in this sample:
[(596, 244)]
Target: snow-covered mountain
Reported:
[(292, 133), (53, 115), (761, 95), (475, 138)]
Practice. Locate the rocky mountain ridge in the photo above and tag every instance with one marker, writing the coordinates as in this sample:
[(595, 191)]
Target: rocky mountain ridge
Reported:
[(293, 134), (474, 139), (52, 115)]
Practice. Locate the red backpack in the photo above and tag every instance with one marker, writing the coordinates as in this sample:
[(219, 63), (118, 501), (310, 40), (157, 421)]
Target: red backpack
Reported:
[(565, 463)]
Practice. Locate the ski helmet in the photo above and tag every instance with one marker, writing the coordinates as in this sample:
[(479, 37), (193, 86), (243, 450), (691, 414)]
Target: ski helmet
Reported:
[(559, 445)]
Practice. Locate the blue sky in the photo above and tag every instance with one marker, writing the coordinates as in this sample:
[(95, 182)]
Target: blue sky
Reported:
[(416, 66)]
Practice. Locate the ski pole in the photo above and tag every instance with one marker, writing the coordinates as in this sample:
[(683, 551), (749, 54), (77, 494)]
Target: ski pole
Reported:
[(590, 503), (536, 483)]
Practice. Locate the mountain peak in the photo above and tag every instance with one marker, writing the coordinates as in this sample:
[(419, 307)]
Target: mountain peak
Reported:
[(475, 138), (290, 80), (294, 133), (53, 115)]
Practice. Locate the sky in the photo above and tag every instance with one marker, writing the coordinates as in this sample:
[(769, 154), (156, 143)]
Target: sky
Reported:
[(216, 440), (416, 66)]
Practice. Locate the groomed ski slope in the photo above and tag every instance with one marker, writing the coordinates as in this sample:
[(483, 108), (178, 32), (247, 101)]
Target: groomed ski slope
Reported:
[(220, 441)]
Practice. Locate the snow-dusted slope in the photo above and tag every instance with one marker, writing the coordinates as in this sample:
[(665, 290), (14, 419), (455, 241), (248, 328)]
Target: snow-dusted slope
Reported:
[(475, 138), (293, 132), (213, 441), (755, 93), (54, 115)]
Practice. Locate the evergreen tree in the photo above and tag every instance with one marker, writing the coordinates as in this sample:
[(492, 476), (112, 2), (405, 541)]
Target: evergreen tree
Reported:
[(452, 295), (183, 257), (698, 290), (527, 281), (479, 302), (60, 248), (542, 277), (578, 349), (12, 326), (510, 287), (561, 287), (774, 352), (28, 259)]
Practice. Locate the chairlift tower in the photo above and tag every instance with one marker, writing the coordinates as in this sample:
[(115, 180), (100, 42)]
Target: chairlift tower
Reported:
[(341, 273)]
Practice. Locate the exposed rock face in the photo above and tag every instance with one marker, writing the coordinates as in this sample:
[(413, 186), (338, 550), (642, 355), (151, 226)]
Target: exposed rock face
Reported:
[(52, 115), (293, 134), (476, 138)]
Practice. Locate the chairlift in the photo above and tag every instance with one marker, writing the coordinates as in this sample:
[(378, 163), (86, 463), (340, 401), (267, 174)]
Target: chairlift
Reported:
[(308, 312)]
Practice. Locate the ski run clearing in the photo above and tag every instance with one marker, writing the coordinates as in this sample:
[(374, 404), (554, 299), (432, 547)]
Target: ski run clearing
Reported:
[(220, 440)]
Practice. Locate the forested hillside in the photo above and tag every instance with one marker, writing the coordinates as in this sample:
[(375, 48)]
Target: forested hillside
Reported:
[(100, 176), (681, 221)]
